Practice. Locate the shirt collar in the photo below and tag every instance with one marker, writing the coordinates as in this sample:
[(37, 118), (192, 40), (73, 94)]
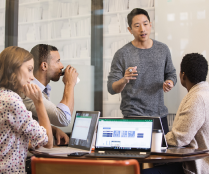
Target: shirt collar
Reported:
[(41, 86)]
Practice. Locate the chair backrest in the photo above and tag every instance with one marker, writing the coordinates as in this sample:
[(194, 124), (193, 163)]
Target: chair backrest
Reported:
[(83, 166)]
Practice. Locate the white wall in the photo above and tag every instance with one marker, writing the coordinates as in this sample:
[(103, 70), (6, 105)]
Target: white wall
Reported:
[(183, 25)]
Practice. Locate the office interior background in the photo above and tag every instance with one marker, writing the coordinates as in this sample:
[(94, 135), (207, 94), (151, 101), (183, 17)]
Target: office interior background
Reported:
[(87, 34)]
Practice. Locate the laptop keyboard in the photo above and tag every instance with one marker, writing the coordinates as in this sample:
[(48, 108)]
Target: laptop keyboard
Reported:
[(125, 155)]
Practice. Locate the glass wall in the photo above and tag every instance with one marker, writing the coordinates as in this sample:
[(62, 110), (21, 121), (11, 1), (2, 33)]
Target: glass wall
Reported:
[(2, 24), (65, 24), (182, 25)]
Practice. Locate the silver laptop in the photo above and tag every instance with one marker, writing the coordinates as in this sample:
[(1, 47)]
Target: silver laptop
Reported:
[(81, 140), (123, 137), (157, 125)]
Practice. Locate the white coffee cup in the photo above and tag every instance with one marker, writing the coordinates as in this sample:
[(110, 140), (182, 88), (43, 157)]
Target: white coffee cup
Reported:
[(156, 140), (78, 80)]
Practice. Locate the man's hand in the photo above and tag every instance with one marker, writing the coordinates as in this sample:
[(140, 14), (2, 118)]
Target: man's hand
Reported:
[(130, 74), (167, 85), (61, 137), (70, 76)]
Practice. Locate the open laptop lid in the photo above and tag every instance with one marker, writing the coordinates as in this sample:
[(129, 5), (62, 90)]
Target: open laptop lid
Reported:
[(84, 127), (157, 125), (124, 134)]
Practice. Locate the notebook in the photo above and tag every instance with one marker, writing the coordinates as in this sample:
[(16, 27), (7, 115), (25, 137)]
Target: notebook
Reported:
[(84, 127), (157, 125), (123, 137)]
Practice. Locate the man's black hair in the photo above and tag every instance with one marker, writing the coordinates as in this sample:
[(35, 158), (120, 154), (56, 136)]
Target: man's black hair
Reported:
[(134, 12), (195, 67), (41, 53)]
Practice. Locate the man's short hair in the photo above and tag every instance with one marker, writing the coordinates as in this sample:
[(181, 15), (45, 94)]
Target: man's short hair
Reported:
[(134, 12), (41, 53), (195, 67)]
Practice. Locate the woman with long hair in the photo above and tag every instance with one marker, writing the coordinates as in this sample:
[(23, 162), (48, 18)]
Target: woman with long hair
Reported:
[(17, 127)]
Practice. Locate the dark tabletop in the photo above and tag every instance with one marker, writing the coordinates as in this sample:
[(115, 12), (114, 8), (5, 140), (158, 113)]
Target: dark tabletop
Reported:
[(151, 159)]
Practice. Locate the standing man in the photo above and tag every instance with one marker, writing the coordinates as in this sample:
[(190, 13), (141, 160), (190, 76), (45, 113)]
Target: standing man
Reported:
[(141, 70), (47, 67)]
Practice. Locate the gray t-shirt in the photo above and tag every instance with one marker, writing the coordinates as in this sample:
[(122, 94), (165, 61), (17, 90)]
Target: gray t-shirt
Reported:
[(143, 96)]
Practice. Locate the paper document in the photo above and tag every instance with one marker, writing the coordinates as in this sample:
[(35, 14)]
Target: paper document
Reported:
[(58, 150)]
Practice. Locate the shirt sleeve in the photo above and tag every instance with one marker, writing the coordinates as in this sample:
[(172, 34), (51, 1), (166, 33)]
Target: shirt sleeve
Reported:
[(188, 121), (170, 71), (65, 109), (21, 122), (59, 115), (116, 72)]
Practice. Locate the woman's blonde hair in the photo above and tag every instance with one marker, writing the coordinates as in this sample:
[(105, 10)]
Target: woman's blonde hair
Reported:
[(11, 59)]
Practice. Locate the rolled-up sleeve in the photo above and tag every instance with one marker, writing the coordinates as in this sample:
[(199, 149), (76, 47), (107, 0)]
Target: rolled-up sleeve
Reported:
[(59, 115), (66, 110)]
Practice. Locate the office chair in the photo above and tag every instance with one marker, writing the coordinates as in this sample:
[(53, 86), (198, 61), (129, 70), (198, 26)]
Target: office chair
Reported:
[(83, 166)]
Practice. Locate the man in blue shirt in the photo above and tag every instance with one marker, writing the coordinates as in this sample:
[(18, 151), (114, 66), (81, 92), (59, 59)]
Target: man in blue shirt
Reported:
[(47, 67)]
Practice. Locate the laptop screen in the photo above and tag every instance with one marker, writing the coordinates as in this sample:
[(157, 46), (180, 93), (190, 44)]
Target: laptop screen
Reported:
[(157, 125), (124, 134), (83, 129)]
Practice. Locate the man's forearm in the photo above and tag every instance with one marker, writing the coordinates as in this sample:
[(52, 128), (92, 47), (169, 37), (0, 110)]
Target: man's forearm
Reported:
[(54, 129), (68, 97), (119, 85)]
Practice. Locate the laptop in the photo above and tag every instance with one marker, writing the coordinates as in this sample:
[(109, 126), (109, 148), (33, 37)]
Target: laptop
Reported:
[(81, 140), (157, 125), (181, 151), (123, 137)]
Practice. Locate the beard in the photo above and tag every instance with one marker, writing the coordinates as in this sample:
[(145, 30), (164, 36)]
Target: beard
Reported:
[(55, 78)]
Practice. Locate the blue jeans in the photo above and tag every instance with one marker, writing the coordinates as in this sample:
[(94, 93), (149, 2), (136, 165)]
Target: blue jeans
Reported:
[(170, 168)]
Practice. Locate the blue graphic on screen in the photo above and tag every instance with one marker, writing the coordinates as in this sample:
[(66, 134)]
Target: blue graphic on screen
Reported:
[(131, 134), (124, 133), (140, 135), (107, 134), (116, 133), (106, 127)]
